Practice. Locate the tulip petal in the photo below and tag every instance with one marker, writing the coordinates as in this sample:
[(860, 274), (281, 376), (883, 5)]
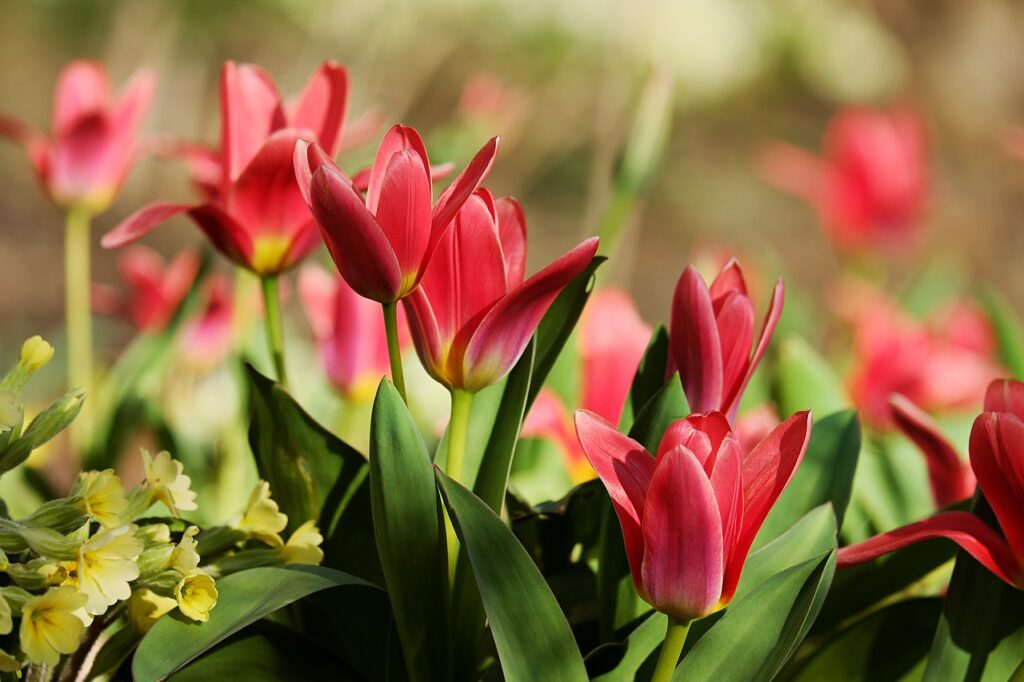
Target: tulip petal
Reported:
[(701, 434), (398, 138), (727, 482), (321, 106), (1005, 395), (771, 321), (250, 111), (425, 335), (728, 280), (403, 210), (358, 246), (308, 157), (976, 537), (626, 470), (316, 292), (950, 477), (682, 567), (696, 345), (133, 103), (224, 232), (996, 444), (141, 223), (502, 335), (612, 340), (512, 232), (266, 199), (82, 90), (31, 139), (734, 314)]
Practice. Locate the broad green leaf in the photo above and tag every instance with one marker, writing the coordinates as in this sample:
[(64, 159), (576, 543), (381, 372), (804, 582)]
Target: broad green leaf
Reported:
[(805, 381), (825, 475), (650, 376), (1009, 331), (531, 635), (410, 534), (668, 405), (243, 598)]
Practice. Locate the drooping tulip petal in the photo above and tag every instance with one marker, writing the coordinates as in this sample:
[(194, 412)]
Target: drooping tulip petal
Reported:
[(321, 106), (996, 444), (142, 222), (1005, 395), (950, 477), (250, 110), (696, 344)]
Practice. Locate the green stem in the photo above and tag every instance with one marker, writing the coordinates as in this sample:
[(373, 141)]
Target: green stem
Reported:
[(78, 308), (275, 332), (394, 350), (458, 428), (675, 638)]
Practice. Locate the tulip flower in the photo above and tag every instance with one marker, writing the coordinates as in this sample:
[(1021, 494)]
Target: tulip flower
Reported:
[(155, 288), (871, 186), (82, 164), (256, 217), (689, 516), (711, 337), (349, 333), (996, 447), (207, 338)]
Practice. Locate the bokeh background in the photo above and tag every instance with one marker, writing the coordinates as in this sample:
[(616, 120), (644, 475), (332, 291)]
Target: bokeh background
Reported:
[(562, 82)]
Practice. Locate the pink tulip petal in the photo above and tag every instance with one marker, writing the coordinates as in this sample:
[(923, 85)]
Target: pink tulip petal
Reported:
[(316, 293), (965, 529), (997, 441), (308, 157), (696, 345), (626, 470), (82, 90), (727, 482), (403, 209), (1005, 395), (502, 335), (734, 314), (395, 140), (140, 223), (321, 106), (771, 321), (224, 232), (728, 280), (682, 527), (425, 334), (134, 102), (701, 434), (792, 170), (950, 477), (512, 231), (250, 111)]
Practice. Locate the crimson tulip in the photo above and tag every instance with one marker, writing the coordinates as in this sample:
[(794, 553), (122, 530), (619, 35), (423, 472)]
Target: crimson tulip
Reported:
[(871, 186), (254, 213), (711, 337), (689, 516), (154, 288), (997, 460)]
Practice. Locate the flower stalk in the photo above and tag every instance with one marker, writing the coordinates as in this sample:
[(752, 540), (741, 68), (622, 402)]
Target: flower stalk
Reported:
[(77, 283), (274, 328), (394, 349), (675, 638)]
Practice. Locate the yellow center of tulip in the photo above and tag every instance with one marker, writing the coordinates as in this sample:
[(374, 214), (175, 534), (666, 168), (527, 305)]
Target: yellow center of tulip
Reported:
[(268, 254)]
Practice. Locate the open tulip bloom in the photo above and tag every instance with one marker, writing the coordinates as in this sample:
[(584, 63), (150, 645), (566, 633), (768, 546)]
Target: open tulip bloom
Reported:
[(689, 516)]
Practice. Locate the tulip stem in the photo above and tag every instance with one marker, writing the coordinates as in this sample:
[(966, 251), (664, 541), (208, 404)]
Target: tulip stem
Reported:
[(78, 308), (675, 638), (275, 331), (394, 350), (458, 428)]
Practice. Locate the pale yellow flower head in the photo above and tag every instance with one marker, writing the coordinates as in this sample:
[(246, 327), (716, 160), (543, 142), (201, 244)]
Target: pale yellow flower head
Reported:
[(167, 482), (147, 607), (35, 353), (184, 558), (107, 563), (51, 626), (103, 496), (303, 547), (196, 595), (262, 519)]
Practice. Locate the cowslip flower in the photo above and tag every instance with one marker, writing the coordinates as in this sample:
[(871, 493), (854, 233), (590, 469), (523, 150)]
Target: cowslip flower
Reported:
[(382, 245), (303, 546), (256, 217), (93, 136), (348, 330), (712, 337), (184, 557), (153, 287), (166, 482), (870, 187), (51, 624), (690, 515), (262, 518), (107, 563), (996, 447), (474, 313), (196, 595), (103, 497)]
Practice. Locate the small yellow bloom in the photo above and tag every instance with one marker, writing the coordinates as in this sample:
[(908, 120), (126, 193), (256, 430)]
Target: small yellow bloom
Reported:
[(196, 595), (147, 607), (50, 625), (184, 558), (103, 496), (303, 547), (167, 483), (35, 353), (107, 562), (262, 519)]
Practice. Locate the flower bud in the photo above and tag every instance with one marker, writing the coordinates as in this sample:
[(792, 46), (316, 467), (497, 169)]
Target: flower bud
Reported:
[(35, 353), (196, 595)]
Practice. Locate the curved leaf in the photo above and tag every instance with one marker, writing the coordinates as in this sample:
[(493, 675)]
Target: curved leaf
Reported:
[(805, 380), (650, 376)]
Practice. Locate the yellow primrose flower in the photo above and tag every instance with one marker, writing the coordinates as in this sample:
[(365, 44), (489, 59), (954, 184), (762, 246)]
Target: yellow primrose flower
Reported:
[(184, 558), (50, 624), (262, 519), (146, 607), (303, 547), (102, 496), (107, 562), (167, 483), (196, 595)]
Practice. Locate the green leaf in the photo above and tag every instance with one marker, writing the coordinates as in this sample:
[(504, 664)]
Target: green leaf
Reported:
[(825, 475), (806, 381), (410, 534), (649, 378), (771, 621), (1009, 331), (243, 598), (532, 637)]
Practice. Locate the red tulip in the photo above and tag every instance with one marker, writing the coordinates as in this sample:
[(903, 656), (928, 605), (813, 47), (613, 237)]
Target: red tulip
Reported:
[(92, 143), (155, 288), (871, 187), (473, 313), (256, 216), (382, 245), (712, 334), (689, 516), (997, 459), (349, 332)]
